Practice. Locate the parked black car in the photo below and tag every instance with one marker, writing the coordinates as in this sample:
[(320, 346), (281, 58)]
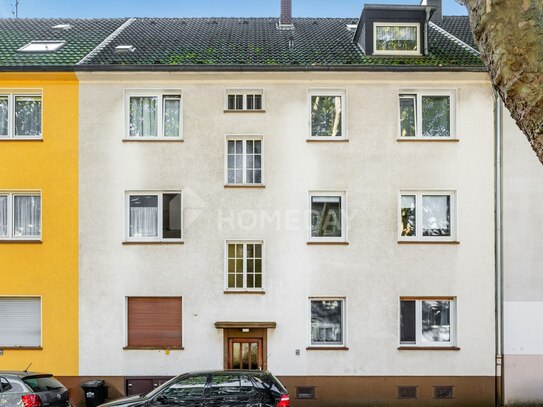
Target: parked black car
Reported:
[(228, 388), (27, 389)]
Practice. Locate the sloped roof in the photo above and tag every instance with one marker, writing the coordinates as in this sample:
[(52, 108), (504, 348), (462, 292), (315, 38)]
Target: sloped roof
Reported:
[(459, 27), (81, 39), (258, 41), (215, 43)]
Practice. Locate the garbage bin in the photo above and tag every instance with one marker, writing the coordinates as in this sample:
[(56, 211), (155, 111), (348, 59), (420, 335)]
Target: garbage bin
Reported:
[(95, 392)]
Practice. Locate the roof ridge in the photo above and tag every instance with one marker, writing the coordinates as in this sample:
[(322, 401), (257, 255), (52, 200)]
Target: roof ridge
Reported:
[(453, 38), (104, 43)]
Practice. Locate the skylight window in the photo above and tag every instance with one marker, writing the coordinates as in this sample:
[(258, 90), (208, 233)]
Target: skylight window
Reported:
[(42, 46), (125, 48), (64, 27)]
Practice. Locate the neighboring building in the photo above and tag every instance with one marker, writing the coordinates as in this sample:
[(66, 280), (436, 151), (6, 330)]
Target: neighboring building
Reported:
[(310, 196), (39, 126), (522, 260)]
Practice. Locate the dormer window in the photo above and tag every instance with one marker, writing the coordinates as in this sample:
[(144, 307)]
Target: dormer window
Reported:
[(42, 46), (396, 39)]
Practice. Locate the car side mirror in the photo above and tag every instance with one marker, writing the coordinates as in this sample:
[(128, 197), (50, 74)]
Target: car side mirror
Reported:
[(161, 399)]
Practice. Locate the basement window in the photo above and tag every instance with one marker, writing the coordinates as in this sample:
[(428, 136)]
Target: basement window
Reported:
[(42, 46)]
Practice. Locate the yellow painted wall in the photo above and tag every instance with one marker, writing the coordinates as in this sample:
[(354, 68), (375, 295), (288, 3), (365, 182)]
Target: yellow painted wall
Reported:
[(49, 269)]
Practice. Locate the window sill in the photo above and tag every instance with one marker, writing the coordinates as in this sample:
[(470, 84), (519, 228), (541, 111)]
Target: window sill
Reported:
[(244, 292), (22, 241), (453, 348), (160, 140), (430, 139), (21, 348), (21, 139), (327, 348), (314, 243), (428, 242), (152, 242), (318, 139), (153, 348), (244, 186), (245, 111)]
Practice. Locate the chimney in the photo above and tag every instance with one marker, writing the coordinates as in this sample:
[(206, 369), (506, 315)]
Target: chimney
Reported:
[(286, 13), (437, 17)]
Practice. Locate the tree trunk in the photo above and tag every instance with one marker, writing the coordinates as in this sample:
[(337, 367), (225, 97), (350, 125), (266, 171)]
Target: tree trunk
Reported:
[(510, 37)]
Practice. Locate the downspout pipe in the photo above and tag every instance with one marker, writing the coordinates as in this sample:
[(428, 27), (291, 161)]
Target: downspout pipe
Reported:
[(426, 27), (498, 238)]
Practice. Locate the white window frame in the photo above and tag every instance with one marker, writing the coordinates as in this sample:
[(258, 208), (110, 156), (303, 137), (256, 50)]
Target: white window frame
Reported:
[(57, 44), (418, 322), (160, 94), (328, 92), (40, 298), (343, 299), (417, 95), (244, 92), (11, 114), (245, 288), (418, 215), (344, 227), (11, 216), (392, 52), (244, 138), (160, 225)]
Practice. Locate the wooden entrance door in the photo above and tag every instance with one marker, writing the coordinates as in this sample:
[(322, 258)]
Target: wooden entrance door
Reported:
[(245, 353)]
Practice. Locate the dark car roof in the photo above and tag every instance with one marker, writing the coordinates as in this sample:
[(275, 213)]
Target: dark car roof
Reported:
[(22, 374)]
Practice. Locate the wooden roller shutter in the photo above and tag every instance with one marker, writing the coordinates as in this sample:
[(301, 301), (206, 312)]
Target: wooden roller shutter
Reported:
[(154, 322)]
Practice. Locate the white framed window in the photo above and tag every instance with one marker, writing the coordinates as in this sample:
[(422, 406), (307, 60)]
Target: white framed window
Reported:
[(327, 216), (244, 100), (154, 115), (20, 116), (428, 321), (154, 216), (427, 114), (20, 319), (328, 327), (427, 215), (244, 265), (396, 39), (244, 160), (20, 215), (327, 114)]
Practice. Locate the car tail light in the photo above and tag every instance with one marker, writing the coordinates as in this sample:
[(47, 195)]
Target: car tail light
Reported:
[(31, 400), (285, 401)]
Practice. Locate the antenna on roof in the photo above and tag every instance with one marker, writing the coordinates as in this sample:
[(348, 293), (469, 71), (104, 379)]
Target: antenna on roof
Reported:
[(16, 9), (26, 370)]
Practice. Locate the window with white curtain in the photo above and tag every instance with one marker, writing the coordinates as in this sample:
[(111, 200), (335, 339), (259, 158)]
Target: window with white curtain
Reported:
[(427, 216), (20, 116), (20, 216), (244, 160), (154, 216), (20, 322), (327, 321), (154, 115)]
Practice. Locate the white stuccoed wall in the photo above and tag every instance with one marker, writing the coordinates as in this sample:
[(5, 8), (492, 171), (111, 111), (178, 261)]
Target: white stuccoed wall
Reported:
[(523, 260), (372, 272)]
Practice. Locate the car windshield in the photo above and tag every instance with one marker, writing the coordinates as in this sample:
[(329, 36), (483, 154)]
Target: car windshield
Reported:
[(42, 383)]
